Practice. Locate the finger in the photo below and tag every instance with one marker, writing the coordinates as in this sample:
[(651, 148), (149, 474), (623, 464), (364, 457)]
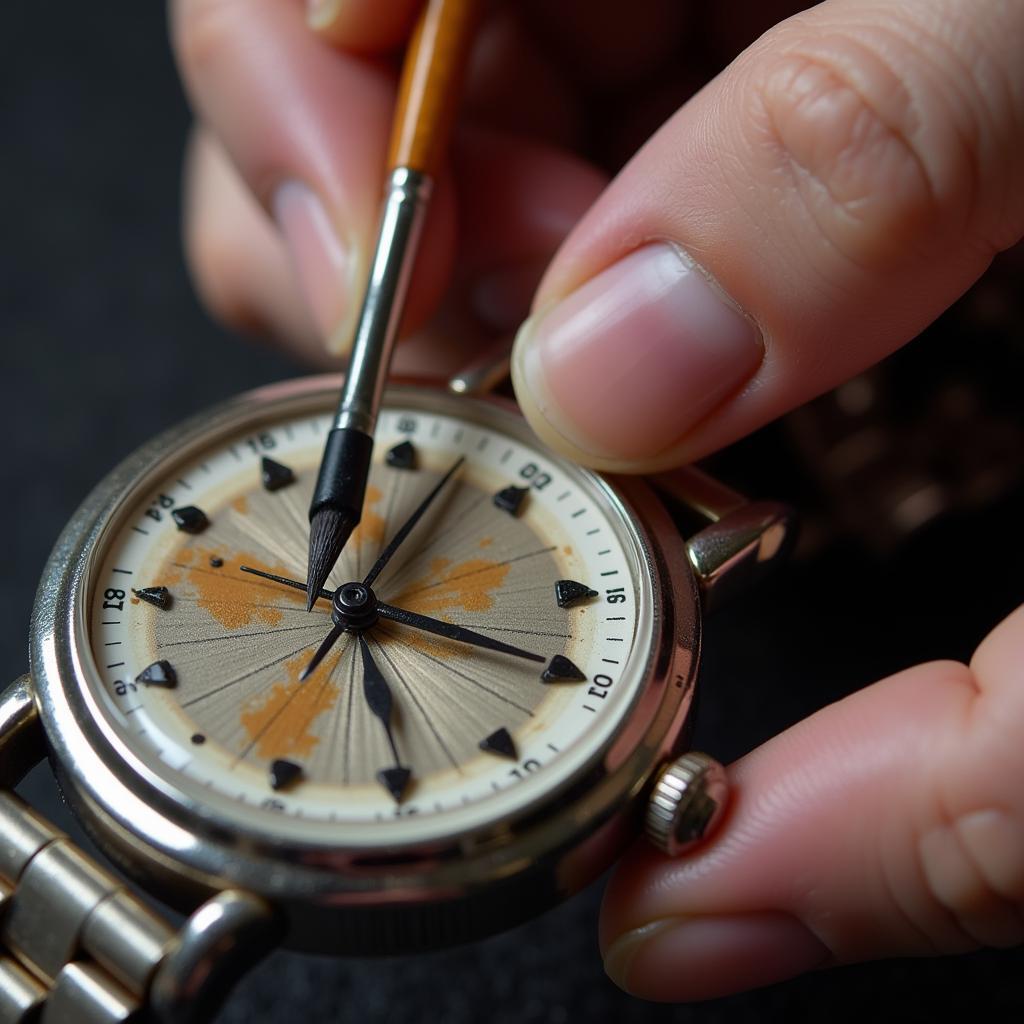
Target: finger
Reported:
[(518, 200), (364, 26), (805, 214), (890, 823), (307, 129), (237, 259)]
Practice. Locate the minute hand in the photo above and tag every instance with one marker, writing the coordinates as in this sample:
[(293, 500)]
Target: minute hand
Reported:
[(450, 631), (407, 527)]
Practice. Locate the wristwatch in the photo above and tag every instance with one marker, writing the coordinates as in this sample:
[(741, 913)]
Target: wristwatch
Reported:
[(490, 698)]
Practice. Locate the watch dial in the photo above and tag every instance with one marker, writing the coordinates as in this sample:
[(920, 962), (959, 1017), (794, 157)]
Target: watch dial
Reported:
[(491, 656)]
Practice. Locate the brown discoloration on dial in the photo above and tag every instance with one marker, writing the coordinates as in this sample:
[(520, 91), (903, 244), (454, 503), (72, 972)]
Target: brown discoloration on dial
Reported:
[(465, 563), (241, 505), (371, 527), (469, 585), (230, 596), (282, 722), (428, 643)]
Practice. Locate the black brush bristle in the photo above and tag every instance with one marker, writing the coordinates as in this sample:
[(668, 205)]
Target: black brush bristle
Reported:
[(329, 531)]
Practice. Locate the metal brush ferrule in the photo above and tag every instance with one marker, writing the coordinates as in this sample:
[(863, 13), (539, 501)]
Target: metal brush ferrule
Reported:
[(405, 204)]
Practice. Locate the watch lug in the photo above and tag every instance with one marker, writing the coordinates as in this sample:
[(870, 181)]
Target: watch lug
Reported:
[(221, 941), (697, 490), (21, 732), (485, 372), (736, 551)]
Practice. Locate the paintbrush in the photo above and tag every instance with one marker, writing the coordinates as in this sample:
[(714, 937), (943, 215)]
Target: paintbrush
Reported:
[(428, 94)]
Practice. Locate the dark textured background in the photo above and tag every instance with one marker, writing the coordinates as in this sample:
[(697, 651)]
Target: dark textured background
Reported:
[(101, 339)]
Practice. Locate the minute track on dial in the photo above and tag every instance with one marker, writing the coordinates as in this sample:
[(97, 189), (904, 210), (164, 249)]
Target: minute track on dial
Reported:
[(240, 650)]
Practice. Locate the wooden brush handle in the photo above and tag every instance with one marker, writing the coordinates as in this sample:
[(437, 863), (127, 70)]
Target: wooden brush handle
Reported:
[(431, 84)]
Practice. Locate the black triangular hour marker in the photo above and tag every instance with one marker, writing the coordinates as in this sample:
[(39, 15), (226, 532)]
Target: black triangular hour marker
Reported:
[(510, 499), (402, 456), (284, 773), (275, 475), (500, 743), (190, 519), (395, 781), (160, 673), (562, 670), (569, 592), (158, 596)]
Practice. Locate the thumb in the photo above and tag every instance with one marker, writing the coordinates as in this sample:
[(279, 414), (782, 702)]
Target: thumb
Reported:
[(804, 215), (889, 823)]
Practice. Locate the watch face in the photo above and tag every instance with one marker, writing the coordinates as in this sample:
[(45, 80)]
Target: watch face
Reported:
[(490, 660)]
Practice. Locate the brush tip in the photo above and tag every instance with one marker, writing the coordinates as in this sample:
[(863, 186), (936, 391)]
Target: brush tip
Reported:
[(329, 531)]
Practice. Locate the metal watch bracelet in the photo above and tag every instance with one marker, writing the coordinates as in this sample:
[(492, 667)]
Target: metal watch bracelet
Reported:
[(76, 945)]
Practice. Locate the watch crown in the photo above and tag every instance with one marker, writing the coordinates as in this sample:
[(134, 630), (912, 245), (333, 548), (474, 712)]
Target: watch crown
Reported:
[(686, 802)]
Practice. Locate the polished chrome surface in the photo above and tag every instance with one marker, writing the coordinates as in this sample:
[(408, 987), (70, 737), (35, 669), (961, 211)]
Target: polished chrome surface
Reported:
[(486, 372), (686, 803), (448, 890), (21, 734), (405, 205), (57, 891), (77, 944), (24, 833), (737, 550), (703, 493), (21, 995), (126, 938), (223, 939), (83, 994), (60, 945)]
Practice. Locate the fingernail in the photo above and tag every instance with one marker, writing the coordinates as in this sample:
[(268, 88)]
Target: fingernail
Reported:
[(501, 297), (627, 364), (318, 12), (693, 958), (323, 262)]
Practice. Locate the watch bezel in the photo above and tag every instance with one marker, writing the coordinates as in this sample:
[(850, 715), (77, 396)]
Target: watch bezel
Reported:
[(184, 854)]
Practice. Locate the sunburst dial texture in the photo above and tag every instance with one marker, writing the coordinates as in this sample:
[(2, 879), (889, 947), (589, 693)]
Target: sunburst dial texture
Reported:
[(209, 662)]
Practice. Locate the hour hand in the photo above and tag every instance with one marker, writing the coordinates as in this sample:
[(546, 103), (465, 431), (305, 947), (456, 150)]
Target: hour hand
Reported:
[(380, 701), (451, 631)]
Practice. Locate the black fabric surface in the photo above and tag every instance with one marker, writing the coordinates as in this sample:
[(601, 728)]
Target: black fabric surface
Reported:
[(104, 345)]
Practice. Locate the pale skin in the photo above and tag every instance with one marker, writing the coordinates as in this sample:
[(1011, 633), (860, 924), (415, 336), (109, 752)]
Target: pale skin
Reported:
[(849, 175)]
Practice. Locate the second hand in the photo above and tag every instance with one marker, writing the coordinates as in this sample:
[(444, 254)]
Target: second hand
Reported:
[(295, 584)]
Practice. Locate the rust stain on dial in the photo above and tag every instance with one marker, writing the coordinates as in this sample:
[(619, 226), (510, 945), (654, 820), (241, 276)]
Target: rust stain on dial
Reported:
[(282, 722), (371, 526), (469, 585), (227, 594)]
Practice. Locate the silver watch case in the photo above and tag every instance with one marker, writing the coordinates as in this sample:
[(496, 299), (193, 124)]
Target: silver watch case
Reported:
[(336, 900)]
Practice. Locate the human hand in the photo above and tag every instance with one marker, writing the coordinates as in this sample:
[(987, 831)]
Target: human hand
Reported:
[(842, 182)]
